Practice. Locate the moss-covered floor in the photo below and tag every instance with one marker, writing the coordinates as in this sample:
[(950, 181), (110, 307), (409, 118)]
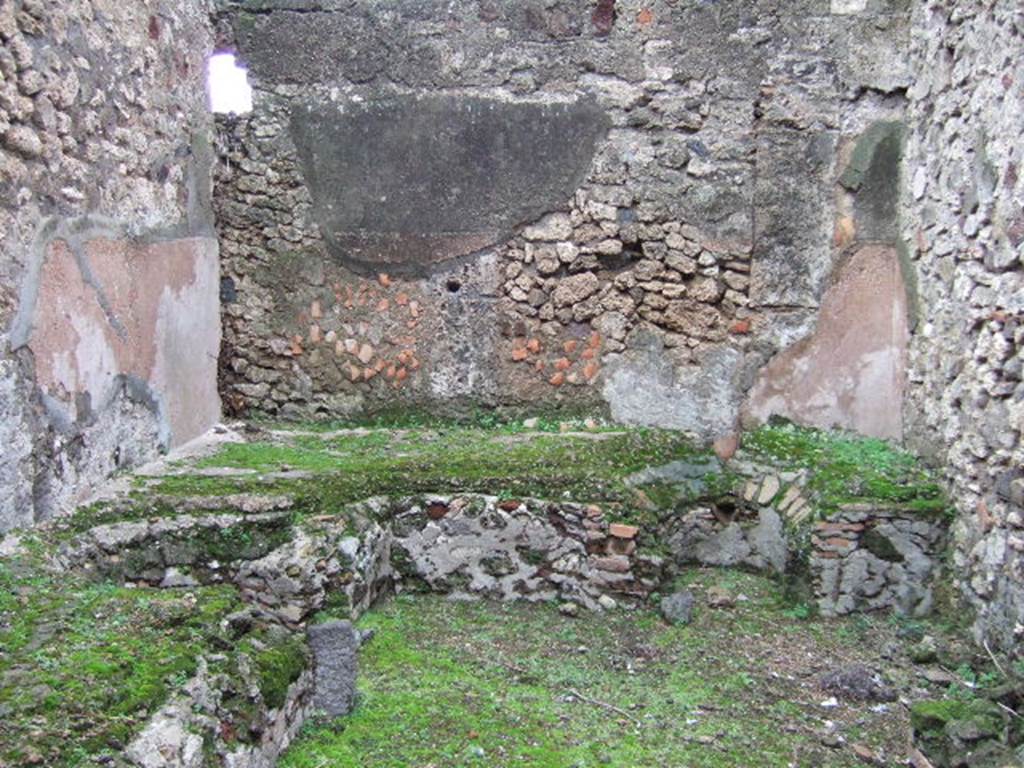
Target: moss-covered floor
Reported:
[(483, 684), (84, 663), (325, 466)]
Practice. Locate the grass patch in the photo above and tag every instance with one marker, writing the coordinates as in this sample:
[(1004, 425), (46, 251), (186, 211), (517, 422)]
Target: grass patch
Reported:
[(845, 468), (483, 684), (82, 666), (453, 459)]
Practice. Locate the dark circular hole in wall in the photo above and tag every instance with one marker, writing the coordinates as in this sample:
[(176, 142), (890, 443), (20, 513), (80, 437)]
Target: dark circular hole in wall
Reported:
[(453, 286)]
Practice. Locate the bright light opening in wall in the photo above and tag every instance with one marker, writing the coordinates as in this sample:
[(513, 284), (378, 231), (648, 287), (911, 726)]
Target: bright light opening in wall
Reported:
[(228, 85)]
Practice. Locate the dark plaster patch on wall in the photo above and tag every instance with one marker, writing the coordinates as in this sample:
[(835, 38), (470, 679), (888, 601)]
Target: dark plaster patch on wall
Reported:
[(409, 181), (873, 178)]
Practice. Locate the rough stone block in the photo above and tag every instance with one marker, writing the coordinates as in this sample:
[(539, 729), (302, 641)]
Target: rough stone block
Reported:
[(335, 645)]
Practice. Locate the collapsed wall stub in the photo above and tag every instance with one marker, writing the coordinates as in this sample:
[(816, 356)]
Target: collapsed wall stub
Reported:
[(108, 259), (635, 212)]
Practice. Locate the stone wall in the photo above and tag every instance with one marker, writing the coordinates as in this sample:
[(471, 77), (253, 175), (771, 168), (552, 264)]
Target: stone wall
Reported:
[(964, 224), (635, 205), (109, 323), (860, 558)]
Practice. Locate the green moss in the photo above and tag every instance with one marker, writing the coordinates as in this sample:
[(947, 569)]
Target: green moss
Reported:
[(845, 468), (864, 151), (83, 665), (278, 662), (486, 684), (452, 458), (933, 714)]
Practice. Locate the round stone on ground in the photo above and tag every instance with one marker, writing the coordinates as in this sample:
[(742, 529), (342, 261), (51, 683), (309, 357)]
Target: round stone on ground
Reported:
[(677, 608)]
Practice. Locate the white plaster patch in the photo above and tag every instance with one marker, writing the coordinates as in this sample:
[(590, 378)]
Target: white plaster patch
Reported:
[(849, 6)]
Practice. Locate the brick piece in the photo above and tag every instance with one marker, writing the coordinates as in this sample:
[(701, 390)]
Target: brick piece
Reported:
[(623, 531)]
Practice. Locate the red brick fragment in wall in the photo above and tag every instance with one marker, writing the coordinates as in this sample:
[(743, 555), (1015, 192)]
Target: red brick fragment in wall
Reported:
[(557, 380), (590, 370), (623, 531), (740, 327), (436, 510), (520, 354), (845, 232), (533, 345), (570, 346), (725, 447), (826, 527), (645, 17), (603, 17), (562, 364), (838, 543), (985, 519)]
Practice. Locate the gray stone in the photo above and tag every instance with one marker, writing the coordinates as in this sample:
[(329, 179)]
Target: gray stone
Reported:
[(677, 608), (335, 645), (857, 683), (607, 602), (768, 539), (727, 547), (675, 472)]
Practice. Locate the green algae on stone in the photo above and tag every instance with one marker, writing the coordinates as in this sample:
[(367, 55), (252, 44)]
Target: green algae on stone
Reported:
[(846, 468), (278, 659), (449, 459)]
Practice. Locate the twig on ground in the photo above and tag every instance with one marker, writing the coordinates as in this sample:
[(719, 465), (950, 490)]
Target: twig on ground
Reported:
[(1012, 711), (961, 680), (994, 659), (603, 704)]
